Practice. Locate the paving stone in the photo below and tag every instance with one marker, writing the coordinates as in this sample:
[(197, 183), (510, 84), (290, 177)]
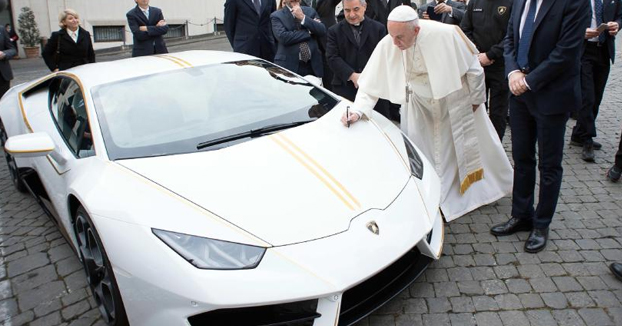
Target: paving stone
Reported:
[(530, 271), (555, 300), (34, 278), (492, 287), (462, 249), (604, 299), (553, 269), (415, 306), (531, 300), (567, 284), (462, 304), (508, 302), (436, 305), (518, 286), (506, 271), (542, 285), (436, 275), (75, 281), (8, 309), (459, 274), (579, 300), (592, 283), (485, 303), (568, 317), (401, 320), (470, 287), (26, 264), (570, 256), (483, 273), (21, 319), (40, 295), (484, 260), (514, 318), (541, 318), (51, 319), (422, 290), (75, 310), (446, 289), (505, 259), (596, 317), (436, 320), (488, 319), (462, 319), (464, 260)]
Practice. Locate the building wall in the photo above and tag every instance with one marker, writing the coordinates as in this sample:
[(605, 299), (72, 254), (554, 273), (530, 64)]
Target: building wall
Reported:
[(200, 14)]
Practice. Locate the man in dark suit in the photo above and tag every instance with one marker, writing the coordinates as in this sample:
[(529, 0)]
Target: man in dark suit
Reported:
[(248, 28), (148, 26), (598, 53), (451, 11), (350, 44), (379, 9), (7, 51), (295, 29), (542, 59)]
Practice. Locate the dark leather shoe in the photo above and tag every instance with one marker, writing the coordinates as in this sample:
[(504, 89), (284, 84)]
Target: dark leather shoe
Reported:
[(616, 269), (614, 174), (588, 152), (537, 240), (578, 143), (512, 226)]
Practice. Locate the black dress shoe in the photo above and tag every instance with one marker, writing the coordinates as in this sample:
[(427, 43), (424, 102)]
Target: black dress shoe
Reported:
[(588, 152), (614, 174), (616, 269), (512, 226), (537, 240), (578, 143)]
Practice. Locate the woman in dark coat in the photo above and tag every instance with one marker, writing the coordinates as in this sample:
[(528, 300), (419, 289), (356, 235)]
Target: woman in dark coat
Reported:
[(69, 47)]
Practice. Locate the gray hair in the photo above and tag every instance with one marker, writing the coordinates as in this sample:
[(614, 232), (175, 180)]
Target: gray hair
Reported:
[(63, 15), (362, 2)]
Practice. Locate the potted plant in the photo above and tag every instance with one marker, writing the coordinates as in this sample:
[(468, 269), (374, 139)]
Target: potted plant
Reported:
[(29, 32)]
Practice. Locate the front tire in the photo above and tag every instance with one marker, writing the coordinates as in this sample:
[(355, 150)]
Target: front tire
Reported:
[(99, 273), (11, 164)]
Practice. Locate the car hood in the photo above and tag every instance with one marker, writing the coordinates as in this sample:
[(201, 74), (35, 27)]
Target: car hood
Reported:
[(293, 186)]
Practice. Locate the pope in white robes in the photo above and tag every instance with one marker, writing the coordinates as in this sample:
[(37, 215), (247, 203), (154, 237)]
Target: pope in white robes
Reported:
[(432, 70)]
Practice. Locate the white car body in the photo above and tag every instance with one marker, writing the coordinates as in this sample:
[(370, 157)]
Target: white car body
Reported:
[(313, 196)]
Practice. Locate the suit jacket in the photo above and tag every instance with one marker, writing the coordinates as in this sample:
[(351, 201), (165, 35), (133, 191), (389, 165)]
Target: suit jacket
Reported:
[(71, 53), (345, 56), (9, 51), (151, 41), (554, 54), (289, 37), (379, 9), (458, 9), (612, 12), (249, 32)]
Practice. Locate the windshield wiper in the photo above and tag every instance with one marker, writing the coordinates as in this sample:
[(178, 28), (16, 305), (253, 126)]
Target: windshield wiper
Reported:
[(251, 133)]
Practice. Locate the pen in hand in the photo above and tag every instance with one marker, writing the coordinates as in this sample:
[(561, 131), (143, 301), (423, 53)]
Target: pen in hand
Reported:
[(348, 116)]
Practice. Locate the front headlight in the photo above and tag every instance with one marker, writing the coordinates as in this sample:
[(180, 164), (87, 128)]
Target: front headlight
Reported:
[(208, 253), (416, 164)]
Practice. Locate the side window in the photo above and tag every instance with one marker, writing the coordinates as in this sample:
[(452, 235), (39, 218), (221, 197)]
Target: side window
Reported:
[(69, 111)]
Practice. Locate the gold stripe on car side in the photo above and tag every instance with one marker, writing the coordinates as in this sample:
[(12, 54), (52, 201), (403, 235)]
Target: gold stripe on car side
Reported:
[(321, 168), (313, 171), (258, 241), (179, 59)]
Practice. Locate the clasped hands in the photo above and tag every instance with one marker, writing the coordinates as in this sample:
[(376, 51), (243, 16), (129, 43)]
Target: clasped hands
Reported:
[(517, 83), (612, 27)]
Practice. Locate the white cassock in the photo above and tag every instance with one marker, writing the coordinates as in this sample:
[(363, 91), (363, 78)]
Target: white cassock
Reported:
[(444, 79)]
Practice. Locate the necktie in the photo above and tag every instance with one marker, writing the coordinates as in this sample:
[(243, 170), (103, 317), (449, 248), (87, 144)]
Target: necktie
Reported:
[(525, 40), (74, 37), (257, 6), (598, 11), (305, 52), (146, 12)]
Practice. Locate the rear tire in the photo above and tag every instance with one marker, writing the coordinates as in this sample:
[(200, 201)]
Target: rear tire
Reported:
[(99, 273), (11, 164)]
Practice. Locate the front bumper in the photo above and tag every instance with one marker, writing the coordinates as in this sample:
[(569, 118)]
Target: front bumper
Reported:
[(348, 275)]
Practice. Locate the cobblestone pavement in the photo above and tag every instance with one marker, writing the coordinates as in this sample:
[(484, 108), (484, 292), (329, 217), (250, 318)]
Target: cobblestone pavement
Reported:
[(479, 280)]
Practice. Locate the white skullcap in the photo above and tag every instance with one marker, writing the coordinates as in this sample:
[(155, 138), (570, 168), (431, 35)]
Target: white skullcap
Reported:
[(403, 14)]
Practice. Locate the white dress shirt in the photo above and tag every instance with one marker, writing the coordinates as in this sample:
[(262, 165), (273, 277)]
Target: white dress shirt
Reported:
[(73, 34)]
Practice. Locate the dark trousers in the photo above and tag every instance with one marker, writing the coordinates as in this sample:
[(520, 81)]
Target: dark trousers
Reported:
[(618, 161), (595, 67), (349, 91), (4, 86), (528, 128), (497, 101), (305, 68)]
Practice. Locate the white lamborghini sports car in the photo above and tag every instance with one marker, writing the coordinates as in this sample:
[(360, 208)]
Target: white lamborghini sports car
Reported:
[(213, 188)]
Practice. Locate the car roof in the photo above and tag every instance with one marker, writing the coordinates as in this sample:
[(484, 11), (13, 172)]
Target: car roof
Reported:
[(106, 72)]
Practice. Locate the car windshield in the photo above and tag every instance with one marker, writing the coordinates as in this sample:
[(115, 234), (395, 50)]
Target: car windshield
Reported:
[(175, 112)]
